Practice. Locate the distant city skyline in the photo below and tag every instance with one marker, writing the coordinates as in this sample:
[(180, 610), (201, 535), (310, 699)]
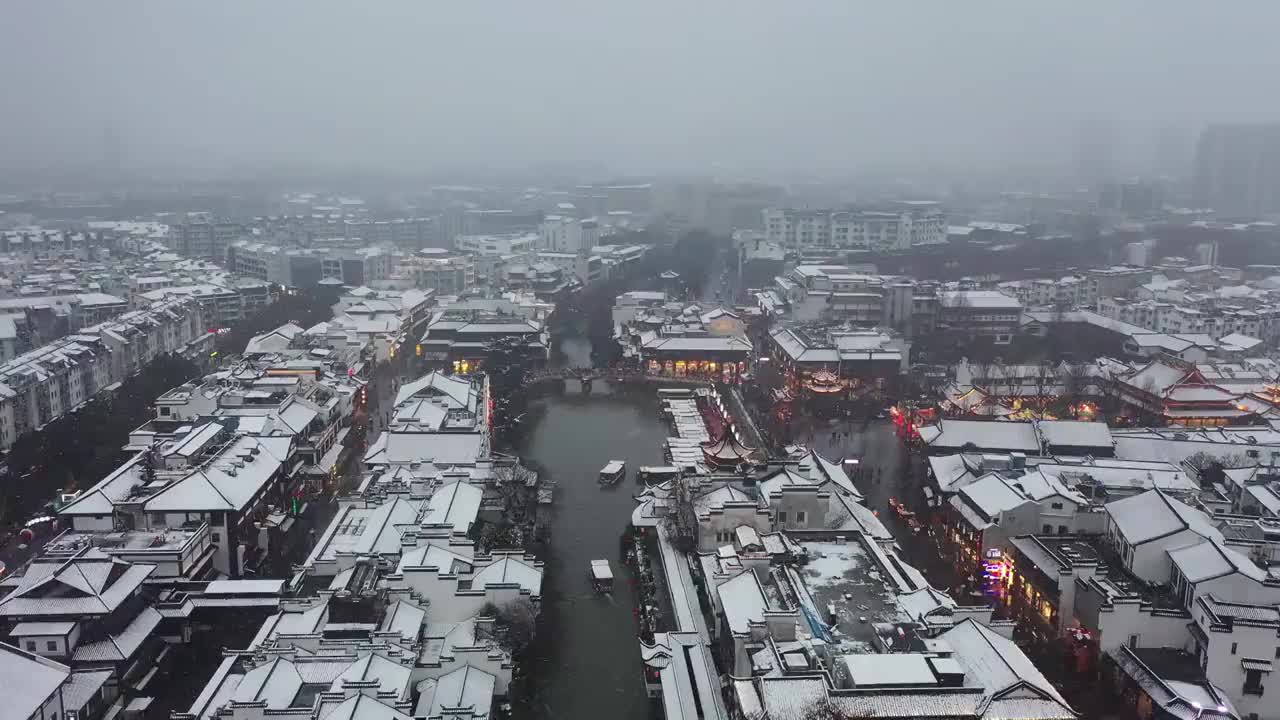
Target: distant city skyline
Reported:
[(642, 89)]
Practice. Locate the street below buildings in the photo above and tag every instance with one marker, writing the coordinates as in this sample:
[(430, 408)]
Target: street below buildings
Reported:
[(890, 474)]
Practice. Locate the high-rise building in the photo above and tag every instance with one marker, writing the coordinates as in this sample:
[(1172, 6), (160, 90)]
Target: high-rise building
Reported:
[(1238, 169), (568, 235)]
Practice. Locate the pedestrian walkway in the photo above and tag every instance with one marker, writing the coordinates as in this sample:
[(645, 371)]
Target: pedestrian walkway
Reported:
[(684, 595)]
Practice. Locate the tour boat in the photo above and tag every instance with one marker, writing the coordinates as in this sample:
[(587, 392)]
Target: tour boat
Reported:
[(601, 576), (615, 471)]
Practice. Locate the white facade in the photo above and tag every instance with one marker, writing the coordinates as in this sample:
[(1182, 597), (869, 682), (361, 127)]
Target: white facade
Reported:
[(1173, 318), (507, 244), (1237, 645), (40, 386), (1069, 291), (871, 231), (444, 272), (558, 233)]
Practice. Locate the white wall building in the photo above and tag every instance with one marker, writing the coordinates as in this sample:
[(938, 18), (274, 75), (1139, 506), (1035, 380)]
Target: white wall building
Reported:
[(559, 233), (870, 231), (505, 244)]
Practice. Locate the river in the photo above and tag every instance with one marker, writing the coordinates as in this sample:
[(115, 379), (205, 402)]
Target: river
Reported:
[(587, 663)]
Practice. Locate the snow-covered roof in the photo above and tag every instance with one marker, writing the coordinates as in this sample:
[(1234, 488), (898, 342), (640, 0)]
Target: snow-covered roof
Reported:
[(228, 482), (367, 531), (1238, 342), (992, 495), (27, 629), (698, 344), (1266, 495), (28, 681), (458, 390), (405, 618), (868, 670), (743, 601), (509, 570), (122, 645), (979, 300), (364, 707), (1074, 433), (1153, 514), (441, 448), (272, 341), (275, 684), (464, 693), (291, 622), (988, 435), (997, 663), (1157, 377), (456, 504), (392, 677), (445, 558), (90, 584), (951, 471), (102, 497)]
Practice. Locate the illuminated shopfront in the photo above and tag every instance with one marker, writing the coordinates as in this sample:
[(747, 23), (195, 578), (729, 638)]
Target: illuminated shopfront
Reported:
[(718, 371)]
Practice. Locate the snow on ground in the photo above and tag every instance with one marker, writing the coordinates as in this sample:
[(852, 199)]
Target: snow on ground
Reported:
[(842, 578)]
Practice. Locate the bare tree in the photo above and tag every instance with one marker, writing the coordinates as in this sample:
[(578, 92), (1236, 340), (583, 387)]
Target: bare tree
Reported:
[(517, 485), (1211, 469), (1075, 382), (1043, 382), (982, 375), (1150, 412), (515, 624)]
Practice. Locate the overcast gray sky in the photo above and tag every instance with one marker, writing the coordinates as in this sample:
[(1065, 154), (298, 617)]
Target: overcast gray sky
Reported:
[(639, 86)]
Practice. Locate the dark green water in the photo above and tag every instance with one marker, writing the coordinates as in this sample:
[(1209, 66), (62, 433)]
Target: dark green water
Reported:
[(587, 665)]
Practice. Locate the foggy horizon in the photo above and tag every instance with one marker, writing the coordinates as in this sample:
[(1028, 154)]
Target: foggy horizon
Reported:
[(821, 86)]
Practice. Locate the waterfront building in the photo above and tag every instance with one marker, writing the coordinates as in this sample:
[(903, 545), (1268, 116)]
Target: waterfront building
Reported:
[(461, 335), (679, 340), (837, 360), (724, 358), (438, 418), (769, 617)]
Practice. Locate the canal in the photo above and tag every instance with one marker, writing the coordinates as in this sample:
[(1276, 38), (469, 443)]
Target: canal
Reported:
[(587, 661)]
